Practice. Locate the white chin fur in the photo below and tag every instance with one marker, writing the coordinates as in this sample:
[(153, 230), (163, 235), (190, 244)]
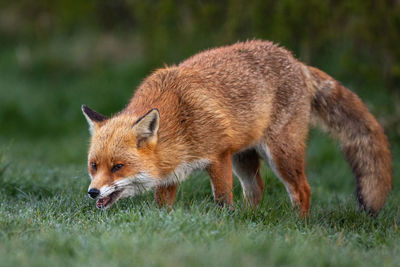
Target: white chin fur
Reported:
[(130, 186), (142, 182)]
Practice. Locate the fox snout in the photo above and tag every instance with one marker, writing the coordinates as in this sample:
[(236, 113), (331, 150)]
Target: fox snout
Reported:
[(93, 192)]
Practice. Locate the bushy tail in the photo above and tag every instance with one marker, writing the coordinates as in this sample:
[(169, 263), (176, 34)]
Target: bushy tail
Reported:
[(362, 139)]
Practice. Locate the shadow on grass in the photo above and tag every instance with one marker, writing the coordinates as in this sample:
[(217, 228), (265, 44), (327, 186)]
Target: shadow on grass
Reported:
[(23, 188)]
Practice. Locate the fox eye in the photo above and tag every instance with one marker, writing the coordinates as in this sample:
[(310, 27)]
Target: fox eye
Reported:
[(117, 167), (94, 166)]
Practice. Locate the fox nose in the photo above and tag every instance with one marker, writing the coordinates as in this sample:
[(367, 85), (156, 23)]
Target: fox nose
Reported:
[(93, 192)]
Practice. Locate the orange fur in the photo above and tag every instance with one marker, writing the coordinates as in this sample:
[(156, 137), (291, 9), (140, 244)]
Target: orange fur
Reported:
[(165, 195), (226, 108)]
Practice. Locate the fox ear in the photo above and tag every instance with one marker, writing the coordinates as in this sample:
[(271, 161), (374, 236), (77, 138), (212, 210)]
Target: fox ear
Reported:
[(146, 127), (92, 117)]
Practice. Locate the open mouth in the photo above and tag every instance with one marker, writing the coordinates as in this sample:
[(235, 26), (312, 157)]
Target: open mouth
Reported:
[(107, 201)]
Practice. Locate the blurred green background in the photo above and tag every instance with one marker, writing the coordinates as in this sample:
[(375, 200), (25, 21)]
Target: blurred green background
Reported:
[(56, 55)]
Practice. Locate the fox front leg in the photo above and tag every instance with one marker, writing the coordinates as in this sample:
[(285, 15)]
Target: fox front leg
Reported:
[(164, 195), (220, 172)]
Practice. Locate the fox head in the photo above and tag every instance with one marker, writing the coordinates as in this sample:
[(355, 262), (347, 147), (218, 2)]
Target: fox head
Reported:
[(121, 155)]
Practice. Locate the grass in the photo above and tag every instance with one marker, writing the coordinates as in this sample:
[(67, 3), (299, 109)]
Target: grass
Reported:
[(46, 219)]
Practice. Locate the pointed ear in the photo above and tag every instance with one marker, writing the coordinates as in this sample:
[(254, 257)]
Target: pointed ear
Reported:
[(145, 129), (92, 117)]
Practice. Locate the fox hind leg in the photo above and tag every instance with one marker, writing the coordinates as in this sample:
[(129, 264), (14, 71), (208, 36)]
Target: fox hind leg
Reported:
[(246, 166), (286, 159)]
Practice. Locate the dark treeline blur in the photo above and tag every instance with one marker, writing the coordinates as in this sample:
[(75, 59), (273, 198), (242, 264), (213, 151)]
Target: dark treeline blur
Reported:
[(363, 35), (356, 41)]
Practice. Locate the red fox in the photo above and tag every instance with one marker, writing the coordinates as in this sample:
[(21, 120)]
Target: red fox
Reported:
[(223, 110)]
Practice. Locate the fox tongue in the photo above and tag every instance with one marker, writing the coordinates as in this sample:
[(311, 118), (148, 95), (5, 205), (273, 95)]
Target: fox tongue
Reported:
[(102, 202)]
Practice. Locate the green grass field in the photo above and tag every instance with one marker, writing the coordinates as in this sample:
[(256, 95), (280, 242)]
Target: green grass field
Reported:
[(46, 218)]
